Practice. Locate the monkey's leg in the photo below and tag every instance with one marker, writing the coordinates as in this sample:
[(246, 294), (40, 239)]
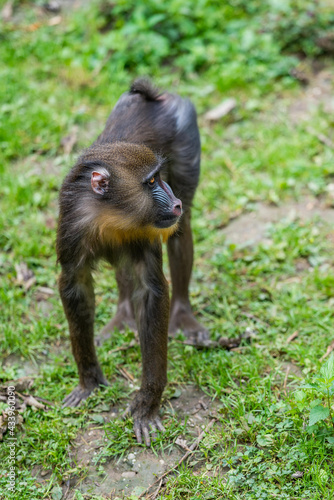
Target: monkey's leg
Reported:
[(77, 294), (180, 253), (152, 310), (125, 314)]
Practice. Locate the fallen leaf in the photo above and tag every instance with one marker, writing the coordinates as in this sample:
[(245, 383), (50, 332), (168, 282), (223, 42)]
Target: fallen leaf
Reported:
[(182, 442), (23, 273), (221, 110), (21, 384), (297, 475), (43, 293), (24, 276), (203, 405), (7, 11), (55, 20), (33, 26)]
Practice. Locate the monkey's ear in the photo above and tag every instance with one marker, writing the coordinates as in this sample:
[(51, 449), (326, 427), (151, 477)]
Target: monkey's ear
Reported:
[(99, 182)]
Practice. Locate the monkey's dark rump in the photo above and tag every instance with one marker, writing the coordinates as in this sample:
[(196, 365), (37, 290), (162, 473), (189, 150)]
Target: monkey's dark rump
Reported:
[(146, 89)]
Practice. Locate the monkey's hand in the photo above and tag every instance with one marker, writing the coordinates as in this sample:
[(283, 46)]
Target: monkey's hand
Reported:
[(146, 418), (81, 393)]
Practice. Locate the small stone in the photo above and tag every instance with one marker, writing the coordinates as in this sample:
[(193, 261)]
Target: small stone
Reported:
[(136, 467), (128, 474), (131, 456)]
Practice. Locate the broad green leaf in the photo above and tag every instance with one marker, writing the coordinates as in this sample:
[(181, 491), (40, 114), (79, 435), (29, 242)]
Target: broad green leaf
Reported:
[(323, 476), (310, 386), (318, 413), (177, 393), (266, 440), (330, 440), (56, 493), (251, 418), (315, 402), (327, 370), (299, 395), (98, 418)]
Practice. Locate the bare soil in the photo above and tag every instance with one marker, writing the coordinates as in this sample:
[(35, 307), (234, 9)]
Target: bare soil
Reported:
[(140, 467), (250, 228)]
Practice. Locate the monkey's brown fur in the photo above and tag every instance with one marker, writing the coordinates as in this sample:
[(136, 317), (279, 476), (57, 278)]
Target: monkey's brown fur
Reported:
[(115, 206)]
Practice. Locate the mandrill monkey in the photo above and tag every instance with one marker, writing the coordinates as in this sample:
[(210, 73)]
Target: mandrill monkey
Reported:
[(115, 205)]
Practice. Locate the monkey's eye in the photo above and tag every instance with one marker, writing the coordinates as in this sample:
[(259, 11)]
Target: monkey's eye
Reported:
[(151, 181)]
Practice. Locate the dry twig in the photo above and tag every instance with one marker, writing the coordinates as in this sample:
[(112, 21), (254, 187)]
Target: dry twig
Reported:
[(292, 337), (154, 495), (123, 347), (125, 374), (330, 348)]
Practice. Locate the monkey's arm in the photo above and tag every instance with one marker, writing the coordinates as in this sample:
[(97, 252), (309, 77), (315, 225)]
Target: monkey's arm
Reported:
[(77, 295), (151, 301)]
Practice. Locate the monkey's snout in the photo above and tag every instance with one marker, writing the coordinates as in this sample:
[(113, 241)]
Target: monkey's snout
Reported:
[(177, 208)]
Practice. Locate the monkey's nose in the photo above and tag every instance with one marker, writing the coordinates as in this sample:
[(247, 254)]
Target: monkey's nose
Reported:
[(177, 208)]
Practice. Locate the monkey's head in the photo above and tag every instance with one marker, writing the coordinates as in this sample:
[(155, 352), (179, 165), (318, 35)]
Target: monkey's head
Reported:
[(131, 201)]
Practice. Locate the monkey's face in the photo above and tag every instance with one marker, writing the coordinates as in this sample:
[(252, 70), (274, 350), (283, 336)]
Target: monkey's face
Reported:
[(134, 202), (137, 203), (166, 208)]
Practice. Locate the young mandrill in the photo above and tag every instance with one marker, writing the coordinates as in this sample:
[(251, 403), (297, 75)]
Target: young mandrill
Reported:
[(116, 205)]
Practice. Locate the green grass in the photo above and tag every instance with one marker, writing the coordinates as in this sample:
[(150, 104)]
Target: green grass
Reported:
[(56, 77)]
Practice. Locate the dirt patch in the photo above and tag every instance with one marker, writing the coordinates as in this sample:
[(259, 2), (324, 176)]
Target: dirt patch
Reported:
[(288, 377), (251, 228), (317, 95), (140, 467), (291, 369), (26, 366), (132, 475)]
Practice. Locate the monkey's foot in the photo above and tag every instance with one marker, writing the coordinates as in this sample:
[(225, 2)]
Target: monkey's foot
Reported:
[(123, 318), (182, 318), (81, 393), (146, 421)]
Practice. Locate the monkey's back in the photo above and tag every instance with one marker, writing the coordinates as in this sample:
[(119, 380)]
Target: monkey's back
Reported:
[(159, 120)]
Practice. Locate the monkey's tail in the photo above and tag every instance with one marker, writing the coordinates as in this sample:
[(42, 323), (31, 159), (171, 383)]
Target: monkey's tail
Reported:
[(145, 87)]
